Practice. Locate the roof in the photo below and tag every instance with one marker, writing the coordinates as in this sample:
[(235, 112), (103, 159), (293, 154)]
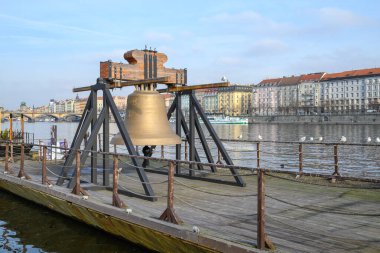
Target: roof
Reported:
[(267, 82), (352, 74), (292, 80), (313, 77)]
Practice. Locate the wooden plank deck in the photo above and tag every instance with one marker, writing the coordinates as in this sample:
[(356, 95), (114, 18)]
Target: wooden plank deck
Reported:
[(303, 215)]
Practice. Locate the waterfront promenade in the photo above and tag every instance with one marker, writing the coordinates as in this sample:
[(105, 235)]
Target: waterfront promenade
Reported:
[(307, 214)]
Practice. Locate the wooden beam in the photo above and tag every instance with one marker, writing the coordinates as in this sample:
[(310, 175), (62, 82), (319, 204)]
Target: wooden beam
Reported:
[(119, 83), (194, 87)]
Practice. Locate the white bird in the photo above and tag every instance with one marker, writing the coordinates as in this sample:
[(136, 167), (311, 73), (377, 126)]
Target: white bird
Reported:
[(85, 197), (302, 139), (378, 139), (128, 210), (240, 136), (369, 139), (311, 138), (259, 137), (224, 79), (343, 139), (120, 169), (320, 138), (196, 229)]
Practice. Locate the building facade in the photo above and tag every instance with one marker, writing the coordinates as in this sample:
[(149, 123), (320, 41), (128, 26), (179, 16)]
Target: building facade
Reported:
[(235, 100), (352, 91)]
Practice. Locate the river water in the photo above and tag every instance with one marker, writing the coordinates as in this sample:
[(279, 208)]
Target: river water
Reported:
[(50, 232)]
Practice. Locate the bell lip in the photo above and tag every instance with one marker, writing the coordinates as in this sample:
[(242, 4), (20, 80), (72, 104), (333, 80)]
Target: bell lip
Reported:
[(118, 140)]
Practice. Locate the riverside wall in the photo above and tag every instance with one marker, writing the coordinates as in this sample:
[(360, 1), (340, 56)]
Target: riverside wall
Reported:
[(318, 119)]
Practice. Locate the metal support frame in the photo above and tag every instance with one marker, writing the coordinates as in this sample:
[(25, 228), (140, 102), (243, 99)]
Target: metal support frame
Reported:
[(191, 135), (94, 148), (188, 136), (106, 141), (196, 109), (239, 180), (90, 117)]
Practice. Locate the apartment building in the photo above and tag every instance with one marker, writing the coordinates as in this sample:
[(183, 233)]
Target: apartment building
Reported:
[(350, 91), (235, 100)]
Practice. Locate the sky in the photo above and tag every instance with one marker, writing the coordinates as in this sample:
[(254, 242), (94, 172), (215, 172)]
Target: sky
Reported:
[(49, 47)]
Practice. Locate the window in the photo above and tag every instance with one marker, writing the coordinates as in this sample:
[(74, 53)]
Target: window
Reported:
[(352, 95)]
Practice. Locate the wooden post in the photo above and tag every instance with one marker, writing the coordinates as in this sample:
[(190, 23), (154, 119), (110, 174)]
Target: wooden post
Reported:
[(258, 155), (44, 175), (6, 168), (262, 239), (169, 214), (11, 134), (186, 151), (336, 166), (300, 158), (100, 142), (116, 201), (219, 161), (10, 127), (22, 128), (162, 152), (260, 210), (22, 173), (77, 190), (40, 150), (65, 145)]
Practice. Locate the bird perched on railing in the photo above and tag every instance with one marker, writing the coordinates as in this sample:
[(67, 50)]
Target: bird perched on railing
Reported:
[(240, 136), (320, 138), (369, 139), (259, 137), (311, 139), (343, 139), (302, 139), (378, 139)]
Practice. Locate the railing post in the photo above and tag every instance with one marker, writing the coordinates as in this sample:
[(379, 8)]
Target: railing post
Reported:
[(22, 173), (6, 168), (169, 214), (258, 155), (300, 158), (186, 153), (219, 161), (40, 155), (65, 145), (262, 238), (77, 190), (116, 201), (336, 165), (162, 152), (44, 175), (260, 210)]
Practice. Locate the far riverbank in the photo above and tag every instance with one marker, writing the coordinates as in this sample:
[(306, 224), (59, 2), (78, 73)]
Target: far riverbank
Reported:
[(372, 119)]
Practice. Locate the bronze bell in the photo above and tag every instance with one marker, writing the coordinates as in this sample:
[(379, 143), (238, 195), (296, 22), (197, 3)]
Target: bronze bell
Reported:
[(146, 119)]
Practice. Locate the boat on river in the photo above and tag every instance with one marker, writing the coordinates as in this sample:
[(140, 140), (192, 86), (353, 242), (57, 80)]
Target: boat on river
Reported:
[(227, 120)]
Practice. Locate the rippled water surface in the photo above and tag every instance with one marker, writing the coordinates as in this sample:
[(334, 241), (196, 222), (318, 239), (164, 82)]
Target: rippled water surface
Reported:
[(27, 227)]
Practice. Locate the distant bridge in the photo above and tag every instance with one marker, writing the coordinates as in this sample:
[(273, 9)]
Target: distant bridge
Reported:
[(34, 116)]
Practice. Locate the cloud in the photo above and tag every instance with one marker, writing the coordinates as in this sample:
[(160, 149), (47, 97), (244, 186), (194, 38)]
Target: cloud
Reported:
[(267, 47), (340, 17)]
